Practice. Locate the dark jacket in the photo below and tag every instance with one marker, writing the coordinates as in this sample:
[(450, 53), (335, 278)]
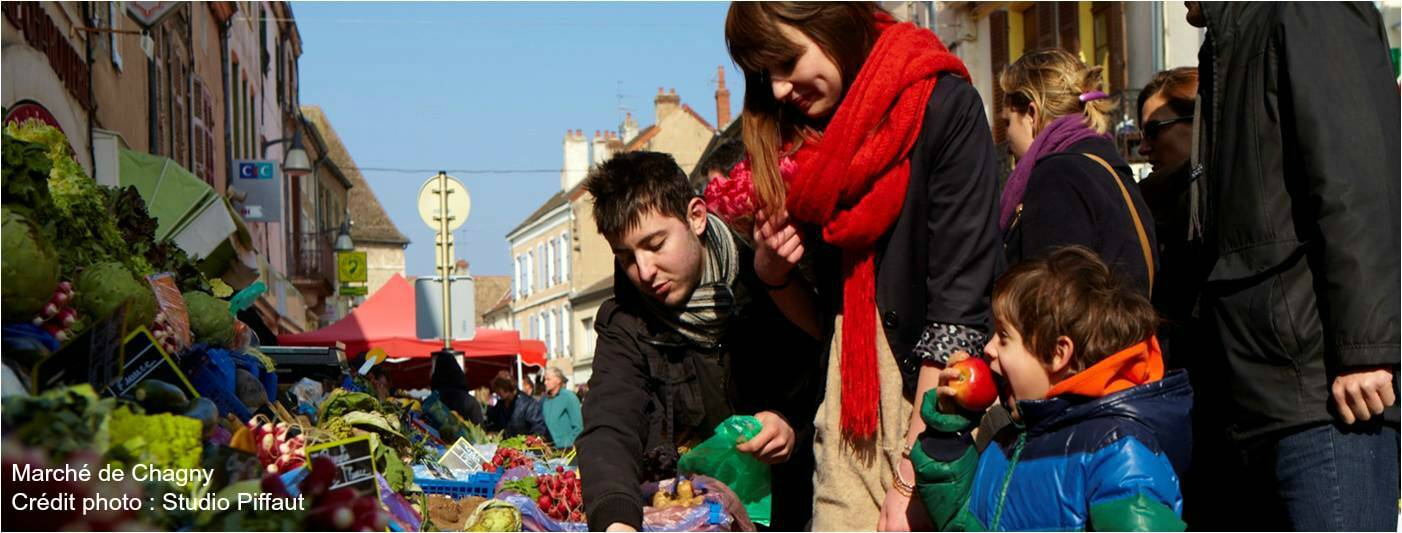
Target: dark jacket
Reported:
[(1071, 199), (652, 389), (1078, 464), (1301, 121), (1182, 267), (938, 261), (448, 379), (522, 417)]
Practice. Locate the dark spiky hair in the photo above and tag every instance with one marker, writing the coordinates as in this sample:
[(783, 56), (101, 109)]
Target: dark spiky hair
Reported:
[(630, 184)]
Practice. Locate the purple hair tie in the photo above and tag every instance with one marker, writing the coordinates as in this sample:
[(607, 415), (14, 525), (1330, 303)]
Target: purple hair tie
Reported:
[(1092, 95)]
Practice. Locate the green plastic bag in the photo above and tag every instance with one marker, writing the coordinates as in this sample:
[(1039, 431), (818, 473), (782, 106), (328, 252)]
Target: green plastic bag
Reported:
[(746, 476)]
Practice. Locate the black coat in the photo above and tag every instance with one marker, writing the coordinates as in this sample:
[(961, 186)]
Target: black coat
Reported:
[(938, 261), (643, 371), (1301, 119), (1071, 199), (522, 417)]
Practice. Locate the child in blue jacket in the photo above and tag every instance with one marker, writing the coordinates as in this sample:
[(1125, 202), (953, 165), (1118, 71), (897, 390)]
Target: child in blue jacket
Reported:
[(1100, 433)]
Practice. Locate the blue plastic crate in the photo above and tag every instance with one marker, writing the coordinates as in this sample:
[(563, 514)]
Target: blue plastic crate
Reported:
[(208, 380), (482, 484)]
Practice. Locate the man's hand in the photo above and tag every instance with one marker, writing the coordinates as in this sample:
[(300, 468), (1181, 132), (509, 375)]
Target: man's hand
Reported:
[(778, 247), (1362, 394), (620, 526), (774, 442)]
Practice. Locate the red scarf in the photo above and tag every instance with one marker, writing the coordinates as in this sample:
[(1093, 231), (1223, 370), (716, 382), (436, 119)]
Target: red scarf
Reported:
[(852, 182)]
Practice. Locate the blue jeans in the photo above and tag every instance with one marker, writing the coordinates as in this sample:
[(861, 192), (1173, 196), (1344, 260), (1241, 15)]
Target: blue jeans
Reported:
[(1329, 478)]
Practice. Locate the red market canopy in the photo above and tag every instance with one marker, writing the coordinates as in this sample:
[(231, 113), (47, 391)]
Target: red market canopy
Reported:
[(386, 320)]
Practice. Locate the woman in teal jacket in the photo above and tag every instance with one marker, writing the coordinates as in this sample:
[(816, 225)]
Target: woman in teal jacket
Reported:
[(561, 409)]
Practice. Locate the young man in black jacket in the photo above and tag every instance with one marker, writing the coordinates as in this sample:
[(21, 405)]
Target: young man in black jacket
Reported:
[(691, 337), (516, 413), (1297, 195)]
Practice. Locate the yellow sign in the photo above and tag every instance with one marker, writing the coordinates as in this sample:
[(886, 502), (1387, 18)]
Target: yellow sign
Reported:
[(352, 267)]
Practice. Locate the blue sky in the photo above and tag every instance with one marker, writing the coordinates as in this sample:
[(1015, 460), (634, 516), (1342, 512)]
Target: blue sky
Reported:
[(495, 86)]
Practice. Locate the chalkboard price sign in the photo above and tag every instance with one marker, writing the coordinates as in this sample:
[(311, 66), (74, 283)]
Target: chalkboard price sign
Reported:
[(145, 359), (354, 463)]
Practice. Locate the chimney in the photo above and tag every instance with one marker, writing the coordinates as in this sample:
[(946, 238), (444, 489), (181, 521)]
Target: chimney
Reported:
[(599, 149), (629, 128), (666, 104), (722, 101), (576, 160)]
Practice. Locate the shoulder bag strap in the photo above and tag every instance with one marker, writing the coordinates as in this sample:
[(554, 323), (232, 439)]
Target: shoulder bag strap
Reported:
[(1134, 214)]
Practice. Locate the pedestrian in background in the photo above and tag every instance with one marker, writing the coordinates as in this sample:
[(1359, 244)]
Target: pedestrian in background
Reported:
[(1298, 204), (515, 413), (561, 409)]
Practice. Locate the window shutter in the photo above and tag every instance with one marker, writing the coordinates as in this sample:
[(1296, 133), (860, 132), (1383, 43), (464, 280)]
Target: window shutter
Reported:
[(998, 43), (1068, 21)]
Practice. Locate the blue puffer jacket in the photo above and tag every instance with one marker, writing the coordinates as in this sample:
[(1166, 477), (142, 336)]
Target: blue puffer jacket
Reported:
[(1076, 463)]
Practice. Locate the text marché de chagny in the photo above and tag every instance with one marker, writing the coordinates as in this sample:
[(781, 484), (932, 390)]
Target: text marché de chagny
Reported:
[(188, 478)]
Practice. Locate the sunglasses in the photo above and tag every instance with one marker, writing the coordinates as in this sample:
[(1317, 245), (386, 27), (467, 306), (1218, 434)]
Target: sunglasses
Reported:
[(1153, 128)]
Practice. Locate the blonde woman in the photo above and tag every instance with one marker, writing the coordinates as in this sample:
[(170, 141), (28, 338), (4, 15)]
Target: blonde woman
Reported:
[(1061, 191)]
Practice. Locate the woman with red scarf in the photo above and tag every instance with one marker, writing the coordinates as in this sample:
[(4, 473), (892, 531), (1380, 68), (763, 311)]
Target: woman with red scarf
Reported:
[(895, 173)]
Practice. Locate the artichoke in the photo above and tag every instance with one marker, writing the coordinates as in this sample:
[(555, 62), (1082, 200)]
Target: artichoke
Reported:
[(104, 286), (210, 320), (30, 270)]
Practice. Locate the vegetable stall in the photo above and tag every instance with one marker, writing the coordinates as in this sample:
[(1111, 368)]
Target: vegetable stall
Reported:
[(134, 398)]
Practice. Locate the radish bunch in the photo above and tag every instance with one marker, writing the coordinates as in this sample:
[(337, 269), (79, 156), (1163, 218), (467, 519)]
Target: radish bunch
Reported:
[(57, 316), (342, 509), (161, 330), (507, 458), (560, 496), (278, 451)]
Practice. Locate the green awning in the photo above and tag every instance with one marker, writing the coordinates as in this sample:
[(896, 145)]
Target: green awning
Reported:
[(173, 195)]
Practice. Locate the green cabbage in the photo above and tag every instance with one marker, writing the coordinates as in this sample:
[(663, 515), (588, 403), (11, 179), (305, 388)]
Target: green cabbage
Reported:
[(210, 320), (30, 269), (104, 286)]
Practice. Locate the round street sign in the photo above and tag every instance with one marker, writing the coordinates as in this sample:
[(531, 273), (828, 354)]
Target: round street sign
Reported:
[(459, 203)]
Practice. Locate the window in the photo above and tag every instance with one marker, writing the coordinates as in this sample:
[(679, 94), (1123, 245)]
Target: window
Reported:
[(550, 333), (1101, 25), (115, 21), (530, 269), (540, 272), (562, 331), (263, 39), (550, 264), (588, 324), (516, 278), (565, 257), (237, 89)]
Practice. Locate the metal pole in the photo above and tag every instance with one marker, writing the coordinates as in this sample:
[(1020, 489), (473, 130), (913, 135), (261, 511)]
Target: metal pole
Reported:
[(443, 235)]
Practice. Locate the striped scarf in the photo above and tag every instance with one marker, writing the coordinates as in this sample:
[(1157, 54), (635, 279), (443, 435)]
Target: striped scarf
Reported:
[(703, 318)]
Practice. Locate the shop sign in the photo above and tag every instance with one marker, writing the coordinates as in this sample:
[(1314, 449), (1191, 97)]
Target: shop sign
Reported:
[(352, 267), (261, 180), (43, 35)]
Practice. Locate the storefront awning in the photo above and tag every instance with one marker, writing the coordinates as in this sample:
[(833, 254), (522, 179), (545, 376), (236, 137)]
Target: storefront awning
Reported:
[(190, 212)]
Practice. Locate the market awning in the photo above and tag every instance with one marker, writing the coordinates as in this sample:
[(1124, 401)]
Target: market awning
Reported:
[(386, 320), (190, 212)]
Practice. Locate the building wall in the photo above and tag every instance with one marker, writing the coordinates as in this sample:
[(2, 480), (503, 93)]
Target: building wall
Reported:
[(120, 93), (541, 283), (205, 46), (593, 257), (383, 261), (30, 75), (682, 136)]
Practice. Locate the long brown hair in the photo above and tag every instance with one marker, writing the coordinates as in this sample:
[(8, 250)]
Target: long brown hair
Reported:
[(844, 31)]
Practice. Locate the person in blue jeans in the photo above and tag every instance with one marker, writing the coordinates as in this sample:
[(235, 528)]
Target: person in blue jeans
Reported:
[(1295, 195), (561, 409)]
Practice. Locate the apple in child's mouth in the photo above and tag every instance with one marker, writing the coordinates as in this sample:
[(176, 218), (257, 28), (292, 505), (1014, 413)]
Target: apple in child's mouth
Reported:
[(974, 389)]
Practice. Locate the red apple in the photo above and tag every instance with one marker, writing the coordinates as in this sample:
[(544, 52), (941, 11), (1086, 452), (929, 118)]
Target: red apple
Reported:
[(974, 388)]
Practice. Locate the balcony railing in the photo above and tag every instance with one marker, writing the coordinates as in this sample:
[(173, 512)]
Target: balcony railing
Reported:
[(315, 259)]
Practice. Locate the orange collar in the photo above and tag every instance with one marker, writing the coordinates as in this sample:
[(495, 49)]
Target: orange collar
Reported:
[(1133, 366)]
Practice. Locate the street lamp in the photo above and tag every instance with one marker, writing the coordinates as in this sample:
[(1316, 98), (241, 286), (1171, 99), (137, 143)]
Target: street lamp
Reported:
[(295, 163), (343, 239)]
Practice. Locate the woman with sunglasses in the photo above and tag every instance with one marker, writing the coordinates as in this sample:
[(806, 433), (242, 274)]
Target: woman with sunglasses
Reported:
[(1070, 185)]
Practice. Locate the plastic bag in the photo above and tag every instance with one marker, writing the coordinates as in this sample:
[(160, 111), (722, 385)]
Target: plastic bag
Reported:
[(741, 472), (176, 317)]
